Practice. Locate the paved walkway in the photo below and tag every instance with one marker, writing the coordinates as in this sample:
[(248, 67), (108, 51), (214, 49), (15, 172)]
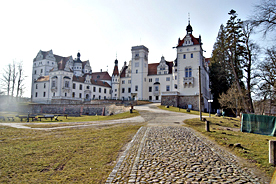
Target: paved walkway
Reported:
[(165, 152)]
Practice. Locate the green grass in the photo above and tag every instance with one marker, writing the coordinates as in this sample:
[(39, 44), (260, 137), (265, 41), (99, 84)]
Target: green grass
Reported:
[(255, 146), (77, 119), (176, 109), (80, 155)]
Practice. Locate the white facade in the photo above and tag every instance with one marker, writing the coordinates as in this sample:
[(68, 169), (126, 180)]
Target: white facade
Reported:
[(56, 77), (62, 78)]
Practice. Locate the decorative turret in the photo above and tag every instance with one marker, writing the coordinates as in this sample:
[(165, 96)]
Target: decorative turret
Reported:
[(115, 70)]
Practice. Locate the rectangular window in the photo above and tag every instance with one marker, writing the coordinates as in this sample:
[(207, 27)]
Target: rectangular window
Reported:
[(165, 72), (123, 81), (36, 86), (167, 88), (137, 64), (35, 72), (150, 89), (175, 77), (129, 81), (36, 94), (99, 97), (192, 55), (41, 71), (129, 90), (167, 78), (150, 97), (157, 98), (123, 90), (136, 88), (156, 88), (145, 79), (188, 72), (80, 95), (93, 96), (80, 87), (100, 90), (94, 89), (74, 85), (87, 87), (44, 94), (150, 79), (66, 84), (104, 90), (184, 56), (175, 86), (136, 71), (156, 79)]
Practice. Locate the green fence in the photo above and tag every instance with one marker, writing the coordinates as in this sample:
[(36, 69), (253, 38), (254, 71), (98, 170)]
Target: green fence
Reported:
[(258, 124)]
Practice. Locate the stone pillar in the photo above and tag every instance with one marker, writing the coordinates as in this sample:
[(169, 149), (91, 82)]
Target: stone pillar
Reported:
[(272, 152)]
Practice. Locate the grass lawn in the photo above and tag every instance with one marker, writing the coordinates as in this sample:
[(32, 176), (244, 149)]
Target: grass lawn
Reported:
[(76, 119), (79, 155), (176, 109), (254, 146)]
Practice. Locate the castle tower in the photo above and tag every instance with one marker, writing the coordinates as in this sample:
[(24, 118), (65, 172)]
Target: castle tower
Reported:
[(139, 72), (115, 83), (78, 66)]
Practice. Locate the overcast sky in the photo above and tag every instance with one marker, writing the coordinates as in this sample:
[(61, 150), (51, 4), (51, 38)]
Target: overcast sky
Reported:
[(100, 29)]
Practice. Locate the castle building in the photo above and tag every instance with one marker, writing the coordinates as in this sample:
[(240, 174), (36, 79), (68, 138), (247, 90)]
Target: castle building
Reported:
[(57, 78)]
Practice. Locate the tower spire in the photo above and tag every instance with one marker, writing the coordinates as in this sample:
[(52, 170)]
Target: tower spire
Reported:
[(189, 28)]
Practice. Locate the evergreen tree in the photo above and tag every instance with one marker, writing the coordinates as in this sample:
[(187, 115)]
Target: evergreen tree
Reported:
[(219, 69)]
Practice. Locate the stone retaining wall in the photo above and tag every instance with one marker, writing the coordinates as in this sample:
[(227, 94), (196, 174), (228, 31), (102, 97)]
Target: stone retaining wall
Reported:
[(180, 101)]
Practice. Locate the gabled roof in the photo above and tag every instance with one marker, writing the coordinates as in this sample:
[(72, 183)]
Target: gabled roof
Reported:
[(100, 76), (196, 41), (93, 81), (43, 79), (152, 67), (123, 73)]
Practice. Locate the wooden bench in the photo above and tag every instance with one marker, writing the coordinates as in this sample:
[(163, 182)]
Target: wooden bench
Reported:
[(3, 118), (26, 117), (10, 118)]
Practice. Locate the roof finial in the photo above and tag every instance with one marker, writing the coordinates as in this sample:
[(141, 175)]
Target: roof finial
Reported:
[(188, 18)]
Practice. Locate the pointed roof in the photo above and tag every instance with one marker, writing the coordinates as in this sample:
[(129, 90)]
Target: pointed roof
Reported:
[(115, 70)]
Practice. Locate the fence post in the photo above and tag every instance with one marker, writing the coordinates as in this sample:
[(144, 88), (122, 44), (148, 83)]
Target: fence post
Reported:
[(272, 151), (207, 126)]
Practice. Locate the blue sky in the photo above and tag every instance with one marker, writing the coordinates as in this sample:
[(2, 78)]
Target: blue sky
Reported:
[(100, 29)]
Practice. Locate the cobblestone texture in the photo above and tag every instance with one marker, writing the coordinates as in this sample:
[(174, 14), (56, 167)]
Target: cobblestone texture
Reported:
[(175, 154)]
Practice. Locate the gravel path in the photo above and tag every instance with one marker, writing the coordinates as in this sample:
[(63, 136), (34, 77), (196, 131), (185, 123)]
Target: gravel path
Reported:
[(166, 152)]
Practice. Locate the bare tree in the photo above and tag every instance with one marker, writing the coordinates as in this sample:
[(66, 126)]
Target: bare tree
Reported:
[(6, 78), (13, 78), (268, 72), (265, 16), (248, 63), (20, 79), (232, 100)]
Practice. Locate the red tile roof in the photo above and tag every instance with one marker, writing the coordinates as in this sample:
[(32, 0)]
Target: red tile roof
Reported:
[(93, 81), (115, 71), (152, 67), (194, 40), (123, 73), (100, 76)]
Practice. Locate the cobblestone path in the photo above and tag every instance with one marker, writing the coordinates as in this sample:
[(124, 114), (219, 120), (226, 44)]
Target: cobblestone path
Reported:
[(176, 154)]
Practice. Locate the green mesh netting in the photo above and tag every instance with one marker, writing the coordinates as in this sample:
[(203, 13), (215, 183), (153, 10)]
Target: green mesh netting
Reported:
[(258, 124)]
